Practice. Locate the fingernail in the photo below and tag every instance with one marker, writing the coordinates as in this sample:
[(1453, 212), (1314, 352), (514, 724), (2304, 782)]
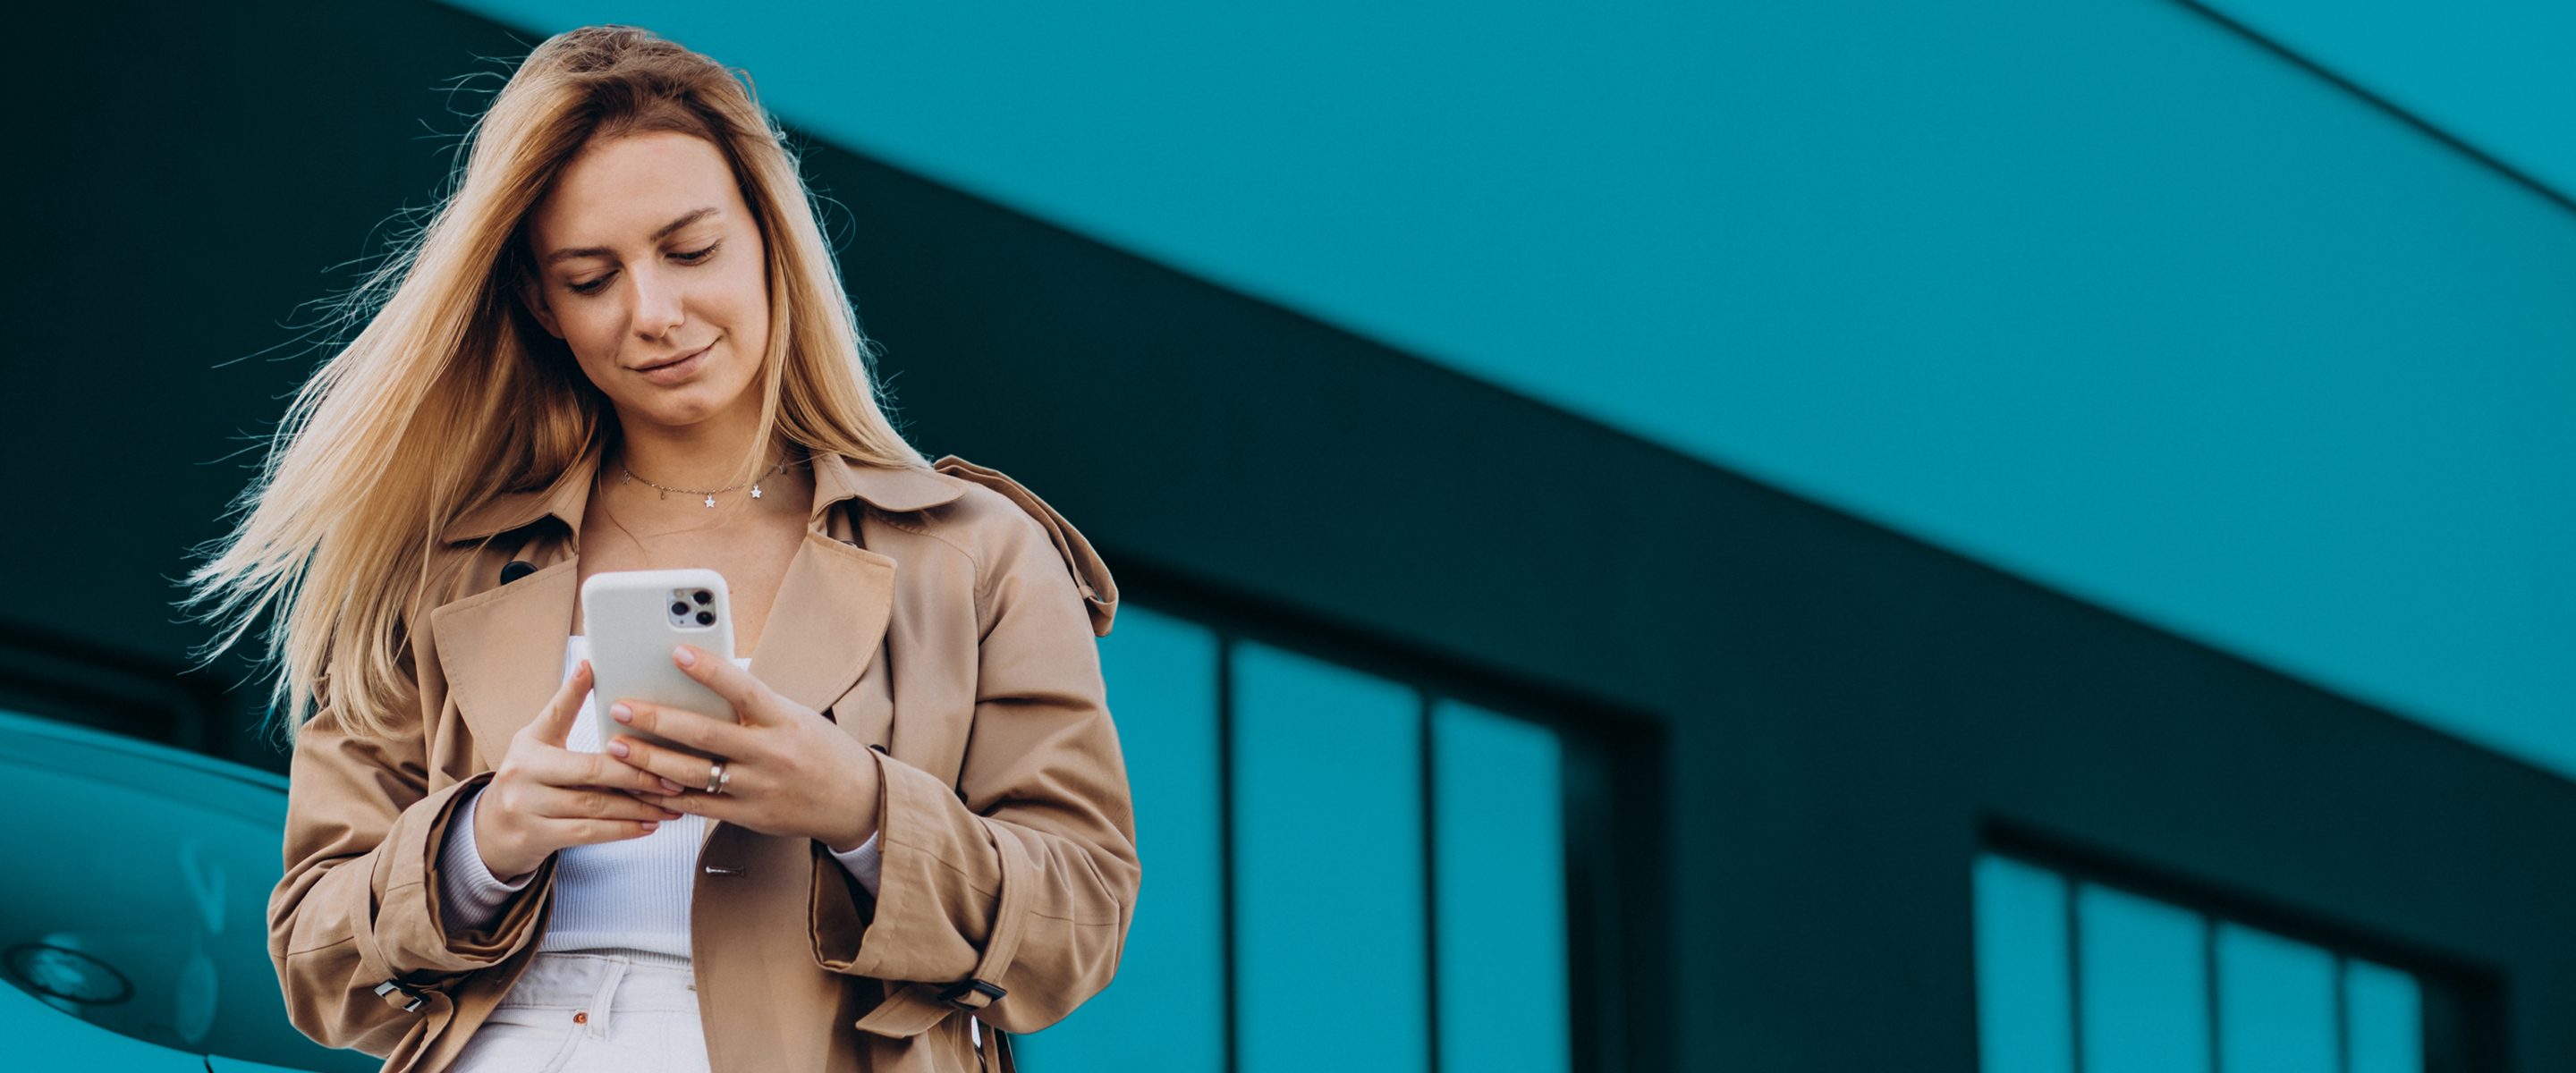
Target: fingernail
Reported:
[(671, 786), (686, 657), (622, 713), (652, 825), (617, 747)]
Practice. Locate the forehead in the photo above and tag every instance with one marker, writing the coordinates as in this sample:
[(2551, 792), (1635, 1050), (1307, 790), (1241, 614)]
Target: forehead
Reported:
[(621, 190)]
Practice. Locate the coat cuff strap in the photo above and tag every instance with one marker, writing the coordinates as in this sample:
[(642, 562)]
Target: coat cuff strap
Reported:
[(911, 1009), (980, 991)]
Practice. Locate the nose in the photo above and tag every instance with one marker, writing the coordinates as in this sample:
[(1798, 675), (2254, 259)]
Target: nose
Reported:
[(657, 306)]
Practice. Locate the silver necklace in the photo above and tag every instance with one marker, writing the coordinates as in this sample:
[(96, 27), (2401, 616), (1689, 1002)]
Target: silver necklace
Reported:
[(710, 495)]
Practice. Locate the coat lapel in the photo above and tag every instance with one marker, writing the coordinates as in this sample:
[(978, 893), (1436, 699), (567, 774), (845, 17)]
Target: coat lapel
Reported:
[(503, 651), (826, 623)]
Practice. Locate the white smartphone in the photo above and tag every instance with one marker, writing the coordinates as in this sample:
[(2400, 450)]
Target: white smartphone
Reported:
[(633, 618)]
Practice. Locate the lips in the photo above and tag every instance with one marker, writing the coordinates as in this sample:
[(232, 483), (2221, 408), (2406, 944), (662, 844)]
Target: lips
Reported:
[(673, 361)]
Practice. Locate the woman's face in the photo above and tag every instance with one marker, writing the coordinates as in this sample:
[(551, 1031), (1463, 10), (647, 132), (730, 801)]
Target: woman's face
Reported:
[(646, 253)]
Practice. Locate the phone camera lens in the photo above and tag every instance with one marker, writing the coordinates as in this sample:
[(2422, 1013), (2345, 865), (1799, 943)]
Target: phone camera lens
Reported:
[(706, 597), (706, 618), (678, 608)]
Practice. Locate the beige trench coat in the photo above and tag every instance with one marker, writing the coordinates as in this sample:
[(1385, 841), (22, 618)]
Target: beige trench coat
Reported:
[(945, 618)]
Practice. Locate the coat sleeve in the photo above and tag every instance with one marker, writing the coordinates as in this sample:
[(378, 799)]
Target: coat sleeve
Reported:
[(1023, 875), (358, 905)]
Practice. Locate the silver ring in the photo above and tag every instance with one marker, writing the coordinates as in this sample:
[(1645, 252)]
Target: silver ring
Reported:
[(716, 778)]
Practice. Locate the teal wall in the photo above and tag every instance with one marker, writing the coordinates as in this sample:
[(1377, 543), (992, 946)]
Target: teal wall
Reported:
[(2104, 293), (2492, 73)]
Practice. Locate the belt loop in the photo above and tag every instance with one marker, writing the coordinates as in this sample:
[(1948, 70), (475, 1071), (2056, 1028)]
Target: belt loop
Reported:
[(601, 1000)]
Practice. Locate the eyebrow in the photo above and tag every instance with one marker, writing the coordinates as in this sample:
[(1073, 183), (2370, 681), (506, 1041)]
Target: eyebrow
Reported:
[(603, 251)]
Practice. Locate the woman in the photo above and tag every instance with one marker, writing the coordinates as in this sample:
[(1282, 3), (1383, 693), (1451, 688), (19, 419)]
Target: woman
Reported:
[(622, 344)]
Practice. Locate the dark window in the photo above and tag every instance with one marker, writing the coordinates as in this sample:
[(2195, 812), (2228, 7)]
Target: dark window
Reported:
[(2074, 974), (1344, 870)]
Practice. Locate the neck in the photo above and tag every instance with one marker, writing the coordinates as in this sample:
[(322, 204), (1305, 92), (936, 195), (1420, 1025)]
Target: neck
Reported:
[(705, 455)]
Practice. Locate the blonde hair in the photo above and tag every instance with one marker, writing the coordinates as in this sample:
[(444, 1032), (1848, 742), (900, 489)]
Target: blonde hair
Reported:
[(452, 394)]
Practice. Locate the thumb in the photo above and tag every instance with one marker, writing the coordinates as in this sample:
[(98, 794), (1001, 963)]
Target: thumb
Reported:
[(553, 726)]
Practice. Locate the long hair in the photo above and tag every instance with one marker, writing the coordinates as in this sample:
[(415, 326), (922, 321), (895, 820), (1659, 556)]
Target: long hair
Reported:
[(452, 393)]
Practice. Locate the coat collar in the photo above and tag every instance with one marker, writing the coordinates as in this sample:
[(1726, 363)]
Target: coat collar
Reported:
[(835, 479)]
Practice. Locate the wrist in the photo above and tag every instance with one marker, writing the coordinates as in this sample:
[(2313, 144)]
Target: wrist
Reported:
[(496, 859), (850, 845), (510, 878), (859, 804)]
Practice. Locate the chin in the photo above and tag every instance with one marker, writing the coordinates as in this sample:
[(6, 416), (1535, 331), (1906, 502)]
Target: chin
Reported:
[(689, 403), (675, 412)]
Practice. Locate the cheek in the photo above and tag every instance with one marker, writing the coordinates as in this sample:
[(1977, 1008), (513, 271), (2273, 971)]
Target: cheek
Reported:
[(593, 337), (745, 303), (746, 296)]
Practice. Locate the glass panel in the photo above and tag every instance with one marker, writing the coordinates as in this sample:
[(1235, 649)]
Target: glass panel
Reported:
[(2145, 997), (1498, 819), (2276, 1003), (1166, 1009), (1329, 909), (2387, 1010), (2025, 1019)]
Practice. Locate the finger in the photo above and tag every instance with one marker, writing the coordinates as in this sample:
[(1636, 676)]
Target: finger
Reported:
[(592, 831), (553, 724), (671, 766), (601, 770), (594, 804), (711, 806), (683, 727), (749, 695)]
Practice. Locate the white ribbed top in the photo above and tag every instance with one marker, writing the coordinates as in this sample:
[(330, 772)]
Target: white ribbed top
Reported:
[(631, 893)]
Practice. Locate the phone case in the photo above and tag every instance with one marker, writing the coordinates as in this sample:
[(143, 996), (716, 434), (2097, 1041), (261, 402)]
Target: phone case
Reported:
[(633, 619)]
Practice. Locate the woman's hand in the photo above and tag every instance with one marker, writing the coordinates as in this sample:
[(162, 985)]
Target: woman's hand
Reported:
[(788, 770), (545, 797)]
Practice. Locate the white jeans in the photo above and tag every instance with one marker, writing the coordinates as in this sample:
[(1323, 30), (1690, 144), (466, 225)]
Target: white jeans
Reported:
[(593, 1011)]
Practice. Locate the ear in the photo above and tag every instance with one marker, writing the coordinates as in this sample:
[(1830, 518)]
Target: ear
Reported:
[(532, 294)]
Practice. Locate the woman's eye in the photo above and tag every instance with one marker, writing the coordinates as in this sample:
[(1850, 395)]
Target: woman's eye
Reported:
[(691, 257)]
